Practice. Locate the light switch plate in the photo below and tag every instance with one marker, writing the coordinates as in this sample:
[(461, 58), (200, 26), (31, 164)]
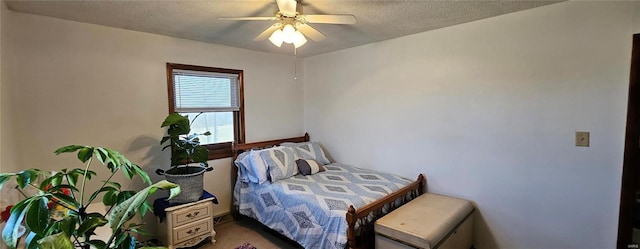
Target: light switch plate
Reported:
[(582, 138)]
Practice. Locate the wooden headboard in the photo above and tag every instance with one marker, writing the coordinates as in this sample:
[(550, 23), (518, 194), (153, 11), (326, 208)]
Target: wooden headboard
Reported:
[(239, 148)]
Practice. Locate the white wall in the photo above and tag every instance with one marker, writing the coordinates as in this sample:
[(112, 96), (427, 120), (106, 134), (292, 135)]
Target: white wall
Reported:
[(3, 9), (77, 83), (636, 22), (488, 111), (6, 197), (3, 196)]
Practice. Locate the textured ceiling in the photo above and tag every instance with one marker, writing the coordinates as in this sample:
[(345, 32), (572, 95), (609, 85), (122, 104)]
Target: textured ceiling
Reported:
[(197, 20)]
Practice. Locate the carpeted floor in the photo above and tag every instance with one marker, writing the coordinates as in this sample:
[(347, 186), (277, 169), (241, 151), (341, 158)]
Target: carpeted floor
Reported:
[(232, 234)]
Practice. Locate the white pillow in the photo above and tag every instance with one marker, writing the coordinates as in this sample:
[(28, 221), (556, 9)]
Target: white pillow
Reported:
[(258, 167)]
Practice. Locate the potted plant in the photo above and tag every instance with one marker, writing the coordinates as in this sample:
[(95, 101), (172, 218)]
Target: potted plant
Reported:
[(185, 150), (57, 216)]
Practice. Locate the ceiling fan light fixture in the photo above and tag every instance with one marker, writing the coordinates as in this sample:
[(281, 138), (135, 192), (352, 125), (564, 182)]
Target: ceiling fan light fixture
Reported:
[(298, 39), (292, 26), (277, 38), (288, 32)]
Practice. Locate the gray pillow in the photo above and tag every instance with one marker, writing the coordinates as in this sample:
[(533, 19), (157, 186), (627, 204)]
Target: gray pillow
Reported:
[(309, 167)]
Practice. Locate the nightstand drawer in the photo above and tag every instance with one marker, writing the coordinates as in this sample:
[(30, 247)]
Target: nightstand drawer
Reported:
[(190, 214), (193, 229)]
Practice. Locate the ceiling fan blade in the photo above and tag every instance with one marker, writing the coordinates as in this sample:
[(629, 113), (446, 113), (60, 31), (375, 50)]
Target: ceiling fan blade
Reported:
[(249, 18), (287, 7), (310, 32), (333, 19), (267, 32)]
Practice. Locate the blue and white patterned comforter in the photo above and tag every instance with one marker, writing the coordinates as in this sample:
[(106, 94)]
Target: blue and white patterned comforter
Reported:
[(311, 209)]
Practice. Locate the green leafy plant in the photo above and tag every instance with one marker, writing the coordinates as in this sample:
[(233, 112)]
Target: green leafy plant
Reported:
[(185, 147), (69, 225)]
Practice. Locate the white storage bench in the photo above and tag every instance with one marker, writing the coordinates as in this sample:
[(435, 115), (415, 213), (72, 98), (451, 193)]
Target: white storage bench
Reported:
[(429, 221)]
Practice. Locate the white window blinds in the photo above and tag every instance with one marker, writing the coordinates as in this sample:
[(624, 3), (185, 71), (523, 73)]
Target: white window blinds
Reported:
[(197, 91)]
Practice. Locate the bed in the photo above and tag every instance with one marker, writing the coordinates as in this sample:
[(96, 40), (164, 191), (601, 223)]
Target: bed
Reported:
[(335, 208)]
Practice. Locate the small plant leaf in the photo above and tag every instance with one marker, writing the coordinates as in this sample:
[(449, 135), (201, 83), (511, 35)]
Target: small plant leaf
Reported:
[(91, 223), (128, 171), (178, 124), (32, 240), (38, 215), (10, 231), (72, 179), (101, 154), (25, 177), (200, 154), (85, 154), (110, 198), (56, 180), (119, 239), (90, 173), (56, 241), (68, 225), (173, 192), (98, 244), (4, 177), (144, 208), (117, 156), (68, 148), (145, 177), (124, 211)]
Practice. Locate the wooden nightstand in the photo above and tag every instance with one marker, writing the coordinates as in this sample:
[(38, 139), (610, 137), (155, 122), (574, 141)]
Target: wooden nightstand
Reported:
[(187, 224)]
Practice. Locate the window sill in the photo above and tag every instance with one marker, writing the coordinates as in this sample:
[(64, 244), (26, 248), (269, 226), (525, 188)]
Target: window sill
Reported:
[(220, 150)]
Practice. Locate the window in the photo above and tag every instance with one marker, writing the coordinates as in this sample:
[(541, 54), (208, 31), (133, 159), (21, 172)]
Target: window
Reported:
[(217, 94)]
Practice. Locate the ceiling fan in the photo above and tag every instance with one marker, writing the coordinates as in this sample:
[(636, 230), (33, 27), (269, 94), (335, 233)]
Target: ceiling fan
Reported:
[(292, 25)]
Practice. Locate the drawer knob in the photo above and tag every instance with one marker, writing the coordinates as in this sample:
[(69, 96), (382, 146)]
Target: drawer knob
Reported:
[(192, 231), (194, 214)]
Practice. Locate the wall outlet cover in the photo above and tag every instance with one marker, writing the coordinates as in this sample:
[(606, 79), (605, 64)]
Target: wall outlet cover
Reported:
[(582, 138)]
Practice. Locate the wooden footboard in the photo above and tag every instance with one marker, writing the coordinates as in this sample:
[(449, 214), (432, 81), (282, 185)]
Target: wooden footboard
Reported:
[(360, 233)]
